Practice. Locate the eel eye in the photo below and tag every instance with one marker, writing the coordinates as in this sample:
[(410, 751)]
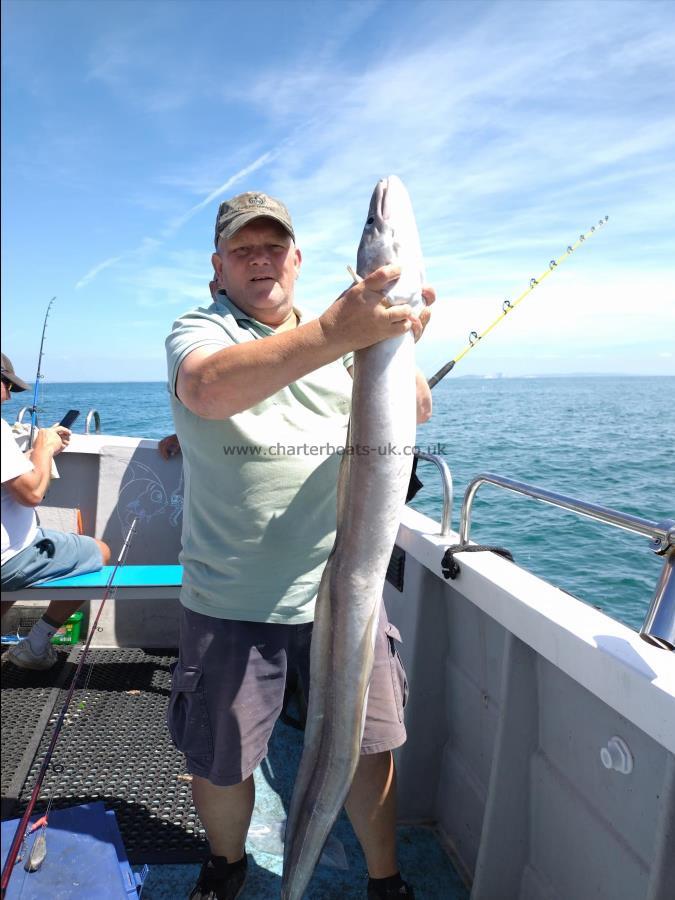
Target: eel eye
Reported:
[(370, 220)]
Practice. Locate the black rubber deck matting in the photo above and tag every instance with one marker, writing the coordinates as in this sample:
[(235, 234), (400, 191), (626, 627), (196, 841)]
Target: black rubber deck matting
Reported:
[(114, 747), (27, 702)]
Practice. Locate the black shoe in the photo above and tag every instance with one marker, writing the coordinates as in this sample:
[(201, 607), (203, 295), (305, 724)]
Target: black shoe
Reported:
[(392, 888), (220, 880)]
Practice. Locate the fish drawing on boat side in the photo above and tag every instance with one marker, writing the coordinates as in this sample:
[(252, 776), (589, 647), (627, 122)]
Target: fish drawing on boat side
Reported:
[(371, 489)]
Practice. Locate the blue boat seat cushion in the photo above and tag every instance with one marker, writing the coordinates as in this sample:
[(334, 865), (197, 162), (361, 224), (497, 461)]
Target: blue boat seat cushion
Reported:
[(127, 576)]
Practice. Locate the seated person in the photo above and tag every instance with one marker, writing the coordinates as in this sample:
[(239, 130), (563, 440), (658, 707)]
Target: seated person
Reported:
[(31, 554)]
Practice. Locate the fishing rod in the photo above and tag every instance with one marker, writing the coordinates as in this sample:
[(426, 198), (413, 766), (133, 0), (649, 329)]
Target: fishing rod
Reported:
[(507, 306), (38, 378), (474, 338), (22, 832)]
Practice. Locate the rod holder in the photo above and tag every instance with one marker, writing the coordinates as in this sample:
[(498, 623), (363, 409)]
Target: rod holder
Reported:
[(658, 627), (92, 416), (25, 410)]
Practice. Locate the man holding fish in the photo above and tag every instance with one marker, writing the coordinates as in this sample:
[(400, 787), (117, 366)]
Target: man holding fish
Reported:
[(247, 375)]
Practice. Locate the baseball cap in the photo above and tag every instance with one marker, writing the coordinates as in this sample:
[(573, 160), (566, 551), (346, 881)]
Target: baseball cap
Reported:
[(244, 208), (9, 375)]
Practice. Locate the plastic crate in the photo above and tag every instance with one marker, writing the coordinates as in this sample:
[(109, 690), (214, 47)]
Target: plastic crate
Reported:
[(69, 632)]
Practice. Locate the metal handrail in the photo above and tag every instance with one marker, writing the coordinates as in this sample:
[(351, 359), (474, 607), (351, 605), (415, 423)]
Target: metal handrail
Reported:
[(658, 627), (92, 414), (663, 534), (22, 412), (446, 478)]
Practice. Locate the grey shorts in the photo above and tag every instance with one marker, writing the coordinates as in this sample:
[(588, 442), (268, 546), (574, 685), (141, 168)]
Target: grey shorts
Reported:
[(228, 688), (53, 554)]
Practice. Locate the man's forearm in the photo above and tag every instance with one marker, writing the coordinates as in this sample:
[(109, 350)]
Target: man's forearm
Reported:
[(238, 377), (30, 488), (219, 385), (423, 397)]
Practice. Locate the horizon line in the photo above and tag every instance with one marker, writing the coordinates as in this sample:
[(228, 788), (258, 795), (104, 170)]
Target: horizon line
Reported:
[(489, 376)]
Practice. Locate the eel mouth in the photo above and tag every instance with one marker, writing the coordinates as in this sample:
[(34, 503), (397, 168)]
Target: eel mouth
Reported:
[(383, 204)]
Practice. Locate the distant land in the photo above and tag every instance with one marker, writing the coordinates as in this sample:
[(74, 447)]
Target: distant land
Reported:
[(497, 375)]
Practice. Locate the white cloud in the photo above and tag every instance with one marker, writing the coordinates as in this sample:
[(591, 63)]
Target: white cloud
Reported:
[(222, 189), (180, 280), (128, 60), (92, 273)]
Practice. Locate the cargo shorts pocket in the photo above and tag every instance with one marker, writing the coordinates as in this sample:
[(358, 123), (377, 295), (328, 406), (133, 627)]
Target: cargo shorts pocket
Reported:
[(398, 676), (188, 715)]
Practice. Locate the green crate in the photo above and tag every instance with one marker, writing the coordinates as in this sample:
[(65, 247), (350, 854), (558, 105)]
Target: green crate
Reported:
[(69, 632)]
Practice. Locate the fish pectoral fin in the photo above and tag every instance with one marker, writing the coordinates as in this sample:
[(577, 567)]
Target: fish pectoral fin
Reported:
[(37, 854), (357, 278)]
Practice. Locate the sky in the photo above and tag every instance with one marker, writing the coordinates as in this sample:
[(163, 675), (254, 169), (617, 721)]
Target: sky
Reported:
[(516, 127)]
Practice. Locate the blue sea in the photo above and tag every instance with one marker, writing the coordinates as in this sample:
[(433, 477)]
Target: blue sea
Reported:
[(608, 440)]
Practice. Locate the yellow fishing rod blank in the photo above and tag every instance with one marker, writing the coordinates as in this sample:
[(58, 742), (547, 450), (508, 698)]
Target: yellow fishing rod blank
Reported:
[(508, 306)]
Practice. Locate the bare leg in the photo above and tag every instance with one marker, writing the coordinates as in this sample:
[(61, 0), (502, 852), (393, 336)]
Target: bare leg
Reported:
[(105, 551), (60, 610), (371, 807), (225, 813)]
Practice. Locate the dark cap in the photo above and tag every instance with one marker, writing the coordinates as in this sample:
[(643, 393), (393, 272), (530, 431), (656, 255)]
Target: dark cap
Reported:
[(17, 384), (244, 208)]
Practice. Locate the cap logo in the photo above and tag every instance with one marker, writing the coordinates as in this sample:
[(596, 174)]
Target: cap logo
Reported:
[(236, 212)]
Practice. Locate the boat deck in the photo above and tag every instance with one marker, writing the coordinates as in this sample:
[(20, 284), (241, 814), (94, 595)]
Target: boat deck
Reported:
[(116, 748)]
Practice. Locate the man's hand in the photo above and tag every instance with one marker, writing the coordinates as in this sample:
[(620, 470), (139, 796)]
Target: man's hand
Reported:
[(361, 317), (421, 322), (52, 440), (29, 489), (169, 446)]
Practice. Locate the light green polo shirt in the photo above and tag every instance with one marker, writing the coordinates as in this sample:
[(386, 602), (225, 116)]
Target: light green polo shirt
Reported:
[(259, 511)]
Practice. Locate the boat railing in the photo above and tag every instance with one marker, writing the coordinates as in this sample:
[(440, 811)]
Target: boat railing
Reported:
[(658, 627), (446, 478), (92, 416), (25, 410)]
